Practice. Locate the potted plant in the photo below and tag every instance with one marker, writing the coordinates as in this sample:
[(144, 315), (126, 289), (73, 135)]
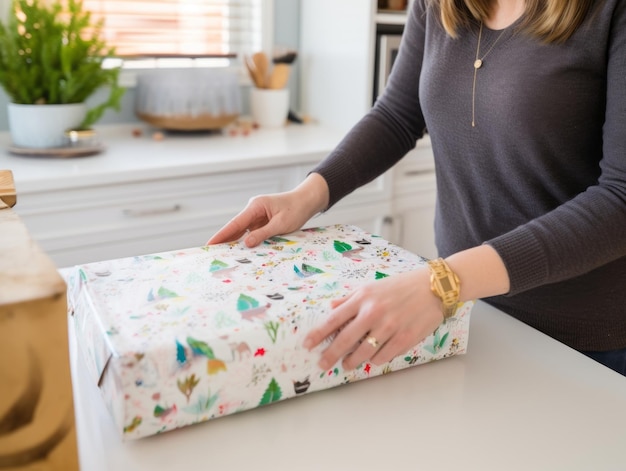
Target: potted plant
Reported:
[(51, 61)]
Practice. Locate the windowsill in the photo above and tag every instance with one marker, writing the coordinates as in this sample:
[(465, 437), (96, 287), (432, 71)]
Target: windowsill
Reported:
[(128, 75)]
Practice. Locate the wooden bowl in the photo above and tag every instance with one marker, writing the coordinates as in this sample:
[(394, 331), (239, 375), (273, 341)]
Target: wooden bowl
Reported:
[(206, 122)]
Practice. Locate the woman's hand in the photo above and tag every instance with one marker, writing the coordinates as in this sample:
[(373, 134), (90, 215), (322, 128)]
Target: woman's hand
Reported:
[(385, 318), (280, 213), (379, 321)]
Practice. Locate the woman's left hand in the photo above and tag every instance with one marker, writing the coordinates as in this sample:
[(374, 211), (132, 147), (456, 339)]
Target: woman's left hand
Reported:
[(379, 321)]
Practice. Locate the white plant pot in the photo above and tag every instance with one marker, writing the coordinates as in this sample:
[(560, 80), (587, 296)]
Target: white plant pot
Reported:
[(43, 126)]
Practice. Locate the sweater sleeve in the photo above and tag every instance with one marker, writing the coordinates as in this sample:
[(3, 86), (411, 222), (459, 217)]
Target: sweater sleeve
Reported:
[(390, 129), (589, 230)]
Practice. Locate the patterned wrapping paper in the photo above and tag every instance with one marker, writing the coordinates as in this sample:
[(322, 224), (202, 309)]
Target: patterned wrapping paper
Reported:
[(182, 337)]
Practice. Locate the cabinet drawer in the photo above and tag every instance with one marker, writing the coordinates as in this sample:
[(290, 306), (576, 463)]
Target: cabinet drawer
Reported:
[(77, 250), (112, 213)]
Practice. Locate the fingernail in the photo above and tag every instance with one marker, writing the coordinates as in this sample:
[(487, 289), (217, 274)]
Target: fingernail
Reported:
[(250, 241), (308, 343), (324, 364)]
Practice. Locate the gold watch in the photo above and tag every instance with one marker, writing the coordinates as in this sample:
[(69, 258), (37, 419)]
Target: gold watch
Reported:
[(445, 285)]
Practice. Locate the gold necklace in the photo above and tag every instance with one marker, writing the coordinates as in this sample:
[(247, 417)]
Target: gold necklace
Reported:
[(478, 63)]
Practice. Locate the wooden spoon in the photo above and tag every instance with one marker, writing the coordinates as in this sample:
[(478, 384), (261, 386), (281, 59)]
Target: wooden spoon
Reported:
[(254, 74), (279, 76), (262, 65)]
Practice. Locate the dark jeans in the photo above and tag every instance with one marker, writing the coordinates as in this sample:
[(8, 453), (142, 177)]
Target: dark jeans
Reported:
[(614, 359)]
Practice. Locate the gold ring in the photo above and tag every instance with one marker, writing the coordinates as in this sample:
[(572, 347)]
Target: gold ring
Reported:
[(372, 341)]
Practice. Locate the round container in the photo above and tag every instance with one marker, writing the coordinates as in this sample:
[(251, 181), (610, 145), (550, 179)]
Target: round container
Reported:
[(269, 108), (81, 137), (188, 99)]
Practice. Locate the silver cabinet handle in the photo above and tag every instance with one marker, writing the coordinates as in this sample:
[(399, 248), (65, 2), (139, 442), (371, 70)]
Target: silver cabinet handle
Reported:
[(139, 213)]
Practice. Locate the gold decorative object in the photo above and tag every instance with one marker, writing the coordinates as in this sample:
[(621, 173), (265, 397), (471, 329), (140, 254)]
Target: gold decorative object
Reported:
[(36, 405)]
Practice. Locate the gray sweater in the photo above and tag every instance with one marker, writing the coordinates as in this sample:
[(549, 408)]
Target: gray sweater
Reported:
[(542, 175)]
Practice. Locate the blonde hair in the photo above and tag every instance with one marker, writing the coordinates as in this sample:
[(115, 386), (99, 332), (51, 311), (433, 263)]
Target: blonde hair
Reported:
[(552, 21)]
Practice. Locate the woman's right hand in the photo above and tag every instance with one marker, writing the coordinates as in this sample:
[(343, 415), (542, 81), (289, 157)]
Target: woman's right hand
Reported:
[(268, 215)]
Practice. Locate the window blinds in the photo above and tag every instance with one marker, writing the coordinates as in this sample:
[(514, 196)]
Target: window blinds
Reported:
[(180, 28)]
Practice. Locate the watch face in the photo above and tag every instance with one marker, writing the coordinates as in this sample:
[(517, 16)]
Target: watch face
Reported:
[(445, 284)]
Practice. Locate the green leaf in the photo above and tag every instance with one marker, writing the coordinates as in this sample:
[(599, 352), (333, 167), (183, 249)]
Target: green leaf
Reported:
[(52, 53), (430, 349), (380, 275), (166, 293), (217, 265), (272, 330), (200, 347), (436, 337), (443, 339), (341, 247), (203, 404), (311, 269), (279, 239), (271, 394), (246, 302)]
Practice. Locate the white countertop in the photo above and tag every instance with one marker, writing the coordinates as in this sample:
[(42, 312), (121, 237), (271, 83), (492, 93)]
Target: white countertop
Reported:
[(127, 157), (518, 400)]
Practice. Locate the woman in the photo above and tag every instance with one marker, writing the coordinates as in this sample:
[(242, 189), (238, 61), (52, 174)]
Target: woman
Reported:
[(525, 105)]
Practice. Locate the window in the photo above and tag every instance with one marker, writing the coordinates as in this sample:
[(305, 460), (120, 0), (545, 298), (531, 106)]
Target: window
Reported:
[(181, 33), (181, 28)]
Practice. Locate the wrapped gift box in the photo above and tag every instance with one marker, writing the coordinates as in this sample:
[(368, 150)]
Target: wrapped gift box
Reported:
[(178, 338)]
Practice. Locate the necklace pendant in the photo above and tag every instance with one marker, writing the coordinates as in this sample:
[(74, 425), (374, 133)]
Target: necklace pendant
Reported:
[(478, 63)]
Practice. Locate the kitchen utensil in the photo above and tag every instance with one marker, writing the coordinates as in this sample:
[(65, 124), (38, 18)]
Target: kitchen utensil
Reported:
[(257, 80), (262, 65), (284, 57), (279, 76)]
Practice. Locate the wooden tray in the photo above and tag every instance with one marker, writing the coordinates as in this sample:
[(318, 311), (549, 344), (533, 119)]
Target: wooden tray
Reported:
[(188, 123), (60, 152)]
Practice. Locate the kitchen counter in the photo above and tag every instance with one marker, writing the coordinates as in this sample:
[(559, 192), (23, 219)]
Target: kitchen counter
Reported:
[(130, 158), (145, 195), (518, 400)]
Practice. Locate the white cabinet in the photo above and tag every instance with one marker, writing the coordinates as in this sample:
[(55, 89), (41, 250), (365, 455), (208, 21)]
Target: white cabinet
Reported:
[(414, 194), (337, 50), (143, 196), (83, 224), (363, 209)]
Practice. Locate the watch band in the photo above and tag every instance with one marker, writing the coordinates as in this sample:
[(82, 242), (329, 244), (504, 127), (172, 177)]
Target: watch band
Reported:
[(445, 284)]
